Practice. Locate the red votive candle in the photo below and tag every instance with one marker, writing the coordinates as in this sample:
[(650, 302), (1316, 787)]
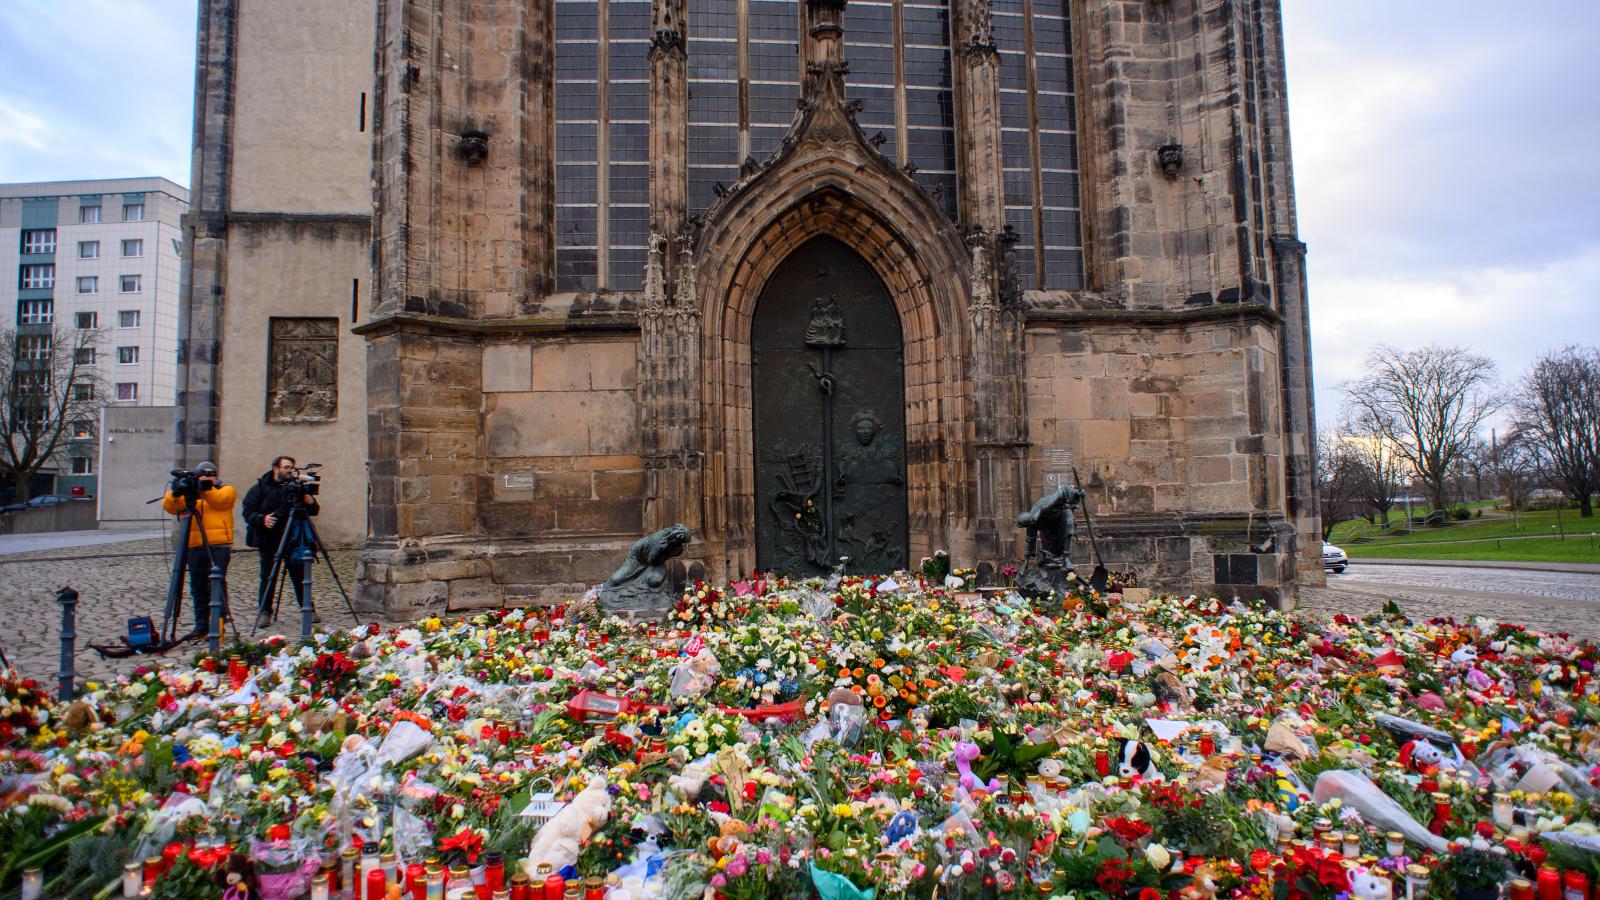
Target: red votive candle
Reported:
[(377, 885), (555, 887)]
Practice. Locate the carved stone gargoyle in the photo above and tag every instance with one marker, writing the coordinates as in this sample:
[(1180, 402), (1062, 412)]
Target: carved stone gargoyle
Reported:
[(641, 586)]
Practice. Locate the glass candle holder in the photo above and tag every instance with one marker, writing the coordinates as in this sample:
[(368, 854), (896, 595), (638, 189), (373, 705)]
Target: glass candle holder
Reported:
[(132, 879), (1416, 882), (319, 887)]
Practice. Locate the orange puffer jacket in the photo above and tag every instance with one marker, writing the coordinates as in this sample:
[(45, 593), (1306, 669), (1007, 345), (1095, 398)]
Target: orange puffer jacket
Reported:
[(216, 514)]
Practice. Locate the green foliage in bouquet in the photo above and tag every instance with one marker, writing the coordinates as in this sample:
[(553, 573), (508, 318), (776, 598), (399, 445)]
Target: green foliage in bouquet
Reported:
[(1472, 869), (1011, 755)]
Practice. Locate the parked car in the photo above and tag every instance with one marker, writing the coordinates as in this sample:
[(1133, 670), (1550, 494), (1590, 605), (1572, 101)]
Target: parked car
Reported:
[(1333, 558), (36, 502)]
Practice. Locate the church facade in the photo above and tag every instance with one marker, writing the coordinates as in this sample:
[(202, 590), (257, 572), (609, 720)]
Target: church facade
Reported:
[(816, 279)]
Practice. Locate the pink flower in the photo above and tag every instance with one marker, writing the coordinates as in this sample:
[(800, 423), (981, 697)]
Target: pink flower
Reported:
[(763, 856), (719, 881), (738, 865)]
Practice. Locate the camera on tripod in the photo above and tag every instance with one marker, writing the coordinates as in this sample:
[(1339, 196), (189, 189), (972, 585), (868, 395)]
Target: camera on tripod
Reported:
[(306, 482), (186, 484)]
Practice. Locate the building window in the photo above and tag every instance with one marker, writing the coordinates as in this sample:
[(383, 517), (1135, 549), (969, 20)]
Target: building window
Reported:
[(131, 283), (82, 429), (38, 277), (82, 465), (133, 212), (36, 312), (88, 249), (127, 318), (87, 320), (127, 390), (133, 247), (88, 284), (127, 356), (303, 370), (33, 347), (83, 356), (88, 215), (83, 391), (39, 240), (580, 58)]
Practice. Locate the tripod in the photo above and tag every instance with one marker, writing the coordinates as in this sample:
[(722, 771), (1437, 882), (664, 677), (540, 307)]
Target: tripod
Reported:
[(173, 610), (299, 535)]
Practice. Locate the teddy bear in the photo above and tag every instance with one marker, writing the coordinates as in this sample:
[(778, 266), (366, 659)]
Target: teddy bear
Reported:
[(559, 840), (1134, 759)]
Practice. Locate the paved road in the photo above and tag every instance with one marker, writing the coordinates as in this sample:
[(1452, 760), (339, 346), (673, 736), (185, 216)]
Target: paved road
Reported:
[(1548, 601), (11, 544), (1560, 585)]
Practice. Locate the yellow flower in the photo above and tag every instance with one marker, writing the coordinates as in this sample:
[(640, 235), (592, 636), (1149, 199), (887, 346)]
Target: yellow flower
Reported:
[(844, 811)]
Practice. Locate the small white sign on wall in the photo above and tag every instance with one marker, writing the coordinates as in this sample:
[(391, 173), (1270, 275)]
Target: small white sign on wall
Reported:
[(1057, 469), (517, 481)]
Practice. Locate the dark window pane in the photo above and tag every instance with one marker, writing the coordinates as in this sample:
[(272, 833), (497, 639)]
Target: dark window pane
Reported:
[(871, 65), (1015, 149), (713, 145), (630, 225), (779, 21), (867, 23), (629, 61), (1054, 73), (775, 62), (1014, 110), (1055, 111), (713, 18), (1057, 150), (1050, 34), (629, 183), (1019, 187), (627, 270), (1059, 189), (1063, 270), (575, 226), (1061, 228), (925, 26), (713, 60), (575, 270)]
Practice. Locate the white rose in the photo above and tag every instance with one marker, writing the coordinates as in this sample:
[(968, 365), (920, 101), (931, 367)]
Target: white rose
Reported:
[(1158, 857)]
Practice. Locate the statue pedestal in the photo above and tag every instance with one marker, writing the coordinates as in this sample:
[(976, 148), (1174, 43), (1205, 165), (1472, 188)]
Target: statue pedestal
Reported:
[(1037, 583)]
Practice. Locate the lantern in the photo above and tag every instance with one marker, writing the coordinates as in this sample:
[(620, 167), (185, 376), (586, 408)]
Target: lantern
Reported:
[(542, 806)]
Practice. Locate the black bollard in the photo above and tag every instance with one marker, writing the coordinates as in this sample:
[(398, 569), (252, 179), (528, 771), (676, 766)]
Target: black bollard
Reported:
[(307, 609), (68, 598)]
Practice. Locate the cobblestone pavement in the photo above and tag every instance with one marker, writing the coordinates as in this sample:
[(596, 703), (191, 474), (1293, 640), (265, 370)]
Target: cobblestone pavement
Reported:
[(1547, 601), (1557, 585), (120, 581)]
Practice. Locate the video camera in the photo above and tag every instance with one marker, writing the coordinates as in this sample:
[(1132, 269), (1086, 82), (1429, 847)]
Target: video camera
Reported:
[(306, 482), (186, 484)]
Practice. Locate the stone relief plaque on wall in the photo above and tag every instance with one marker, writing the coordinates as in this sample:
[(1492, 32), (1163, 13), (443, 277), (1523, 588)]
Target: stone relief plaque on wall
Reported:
[(303, 370)]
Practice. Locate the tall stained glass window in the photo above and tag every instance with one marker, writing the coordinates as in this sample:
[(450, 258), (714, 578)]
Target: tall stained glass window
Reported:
[(1039, 141), (578, 67), (602, 143), (714, 116), (628, 142), (900, 70)]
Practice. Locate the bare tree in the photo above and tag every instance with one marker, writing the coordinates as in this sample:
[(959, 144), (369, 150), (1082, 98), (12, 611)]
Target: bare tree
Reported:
[(1429, 404), (1383, 472), (1339, 480), (1516, 470), (48, 381), (1557, 411)]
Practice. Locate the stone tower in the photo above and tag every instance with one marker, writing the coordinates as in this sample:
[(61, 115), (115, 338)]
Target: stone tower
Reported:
[(1076, 215)]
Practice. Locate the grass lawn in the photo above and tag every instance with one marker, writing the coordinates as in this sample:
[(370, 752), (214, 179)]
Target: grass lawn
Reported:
[(1533, 538)]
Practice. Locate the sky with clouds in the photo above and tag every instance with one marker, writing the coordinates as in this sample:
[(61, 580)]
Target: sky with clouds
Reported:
[(1447, 155)]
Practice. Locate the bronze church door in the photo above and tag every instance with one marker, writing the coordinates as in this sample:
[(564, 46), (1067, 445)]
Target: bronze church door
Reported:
[(828, 383)]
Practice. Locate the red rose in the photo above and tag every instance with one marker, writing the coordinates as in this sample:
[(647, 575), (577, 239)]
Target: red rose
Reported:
[(278, 833)]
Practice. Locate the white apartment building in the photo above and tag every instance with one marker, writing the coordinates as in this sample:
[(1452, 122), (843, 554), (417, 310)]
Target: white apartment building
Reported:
[(100, 254)]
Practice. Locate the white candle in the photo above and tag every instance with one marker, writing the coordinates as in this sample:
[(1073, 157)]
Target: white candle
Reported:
[(32, 884), (132, 879)]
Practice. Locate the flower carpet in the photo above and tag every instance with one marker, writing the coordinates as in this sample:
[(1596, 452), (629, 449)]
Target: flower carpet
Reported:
[(883, 737)]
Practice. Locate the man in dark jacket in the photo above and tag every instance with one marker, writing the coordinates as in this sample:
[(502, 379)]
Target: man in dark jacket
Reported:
[(266, 512)]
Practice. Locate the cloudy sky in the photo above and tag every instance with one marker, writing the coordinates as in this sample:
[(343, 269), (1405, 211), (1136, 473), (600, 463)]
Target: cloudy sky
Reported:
[(1447, 155)]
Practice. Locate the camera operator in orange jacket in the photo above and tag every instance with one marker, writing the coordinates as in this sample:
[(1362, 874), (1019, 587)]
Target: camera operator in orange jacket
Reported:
[(213, 515)]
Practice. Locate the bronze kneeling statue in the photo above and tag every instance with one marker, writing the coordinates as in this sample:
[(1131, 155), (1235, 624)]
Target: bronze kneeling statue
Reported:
[(641, 586)]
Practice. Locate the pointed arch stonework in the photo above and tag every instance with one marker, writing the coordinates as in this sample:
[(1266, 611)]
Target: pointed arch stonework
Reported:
[(826, 179)]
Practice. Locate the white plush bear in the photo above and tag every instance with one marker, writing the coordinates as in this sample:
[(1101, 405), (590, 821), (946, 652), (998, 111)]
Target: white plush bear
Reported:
[(558, 842)]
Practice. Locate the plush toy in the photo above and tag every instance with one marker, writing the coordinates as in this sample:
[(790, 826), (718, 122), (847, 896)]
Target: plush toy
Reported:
[(1050, 768), (696, 675), (1465, 655), (1133, 759), (1420, 756), (558, 841), (965, 753), (237, 878), (1367, 884), (1202, 884)]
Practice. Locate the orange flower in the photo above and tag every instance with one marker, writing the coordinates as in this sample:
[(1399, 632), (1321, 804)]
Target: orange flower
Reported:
[(844, 672), (877, 662), (860, 672), (880, 701)]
